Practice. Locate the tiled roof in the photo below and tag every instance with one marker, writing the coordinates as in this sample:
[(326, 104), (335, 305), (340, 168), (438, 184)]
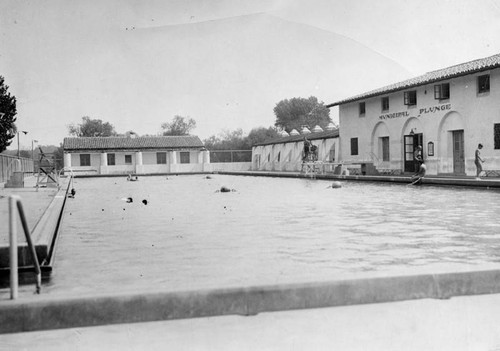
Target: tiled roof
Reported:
[(127, 143), (294, 138), (430, 77)]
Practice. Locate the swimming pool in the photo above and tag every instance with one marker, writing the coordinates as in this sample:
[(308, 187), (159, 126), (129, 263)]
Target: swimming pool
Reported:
[(269, 231)]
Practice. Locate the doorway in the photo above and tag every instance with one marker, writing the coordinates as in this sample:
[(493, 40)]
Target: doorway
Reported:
[(458, 152), (411, 141)]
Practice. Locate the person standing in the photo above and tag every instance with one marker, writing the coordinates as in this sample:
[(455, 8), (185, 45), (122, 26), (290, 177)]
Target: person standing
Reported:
[(478, 161), (417, 158), (307, 146)]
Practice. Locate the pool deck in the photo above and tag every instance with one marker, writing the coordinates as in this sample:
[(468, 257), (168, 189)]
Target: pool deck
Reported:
[(42, 208), (459, 324), (449, 311)]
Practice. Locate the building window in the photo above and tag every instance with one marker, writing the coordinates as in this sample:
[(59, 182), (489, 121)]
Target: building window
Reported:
[(483, 83), (128, 159), (161, 158), (411, 98), (385, 148), (279, 156), (185, 157), (442, 91), (496, 132), (354, 146), (84, 159), (111, 159), (385, 103), (362, 108)]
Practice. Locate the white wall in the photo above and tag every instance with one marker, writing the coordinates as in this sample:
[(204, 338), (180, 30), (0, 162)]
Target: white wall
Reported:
[(465, 109), (290, 159), (149, 164)]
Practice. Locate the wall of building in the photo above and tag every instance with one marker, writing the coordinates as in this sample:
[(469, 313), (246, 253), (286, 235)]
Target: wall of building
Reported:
[(465, 110), (287, 157), (142, 163)]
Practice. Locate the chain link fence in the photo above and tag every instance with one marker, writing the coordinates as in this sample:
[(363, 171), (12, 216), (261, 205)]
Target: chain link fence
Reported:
[(229, 156)]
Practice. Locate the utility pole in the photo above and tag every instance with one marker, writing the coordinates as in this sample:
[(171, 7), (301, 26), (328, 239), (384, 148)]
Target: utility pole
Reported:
[(33, 153), (18, 150)]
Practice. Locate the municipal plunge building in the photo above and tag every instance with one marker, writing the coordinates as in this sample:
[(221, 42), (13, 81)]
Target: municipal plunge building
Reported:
[(448, 112)]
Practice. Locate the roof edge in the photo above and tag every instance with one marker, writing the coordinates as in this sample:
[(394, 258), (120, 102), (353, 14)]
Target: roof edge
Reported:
[(381, 91)]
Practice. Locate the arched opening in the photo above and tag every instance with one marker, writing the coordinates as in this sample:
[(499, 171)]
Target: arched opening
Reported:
[(451, 144), (413, 137)]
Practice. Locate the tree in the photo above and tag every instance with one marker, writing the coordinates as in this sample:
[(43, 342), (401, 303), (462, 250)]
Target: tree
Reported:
[(235, 140), (228, 140), (296, 112), (179, 126), (261, 134), (92, 128), (8, 113)]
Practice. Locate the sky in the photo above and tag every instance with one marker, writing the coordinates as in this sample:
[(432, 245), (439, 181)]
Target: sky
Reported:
[(224, 63)]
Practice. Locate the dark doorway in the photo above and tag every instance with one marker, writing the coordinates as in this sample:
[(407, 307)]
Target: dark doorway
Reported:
[(458, 152), (411, 142)]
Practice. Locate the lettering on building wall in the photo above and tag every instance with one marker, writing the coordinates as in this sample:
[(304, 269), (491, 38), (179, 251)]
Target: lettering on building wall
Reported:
[(421, 111), (434, 109), (394, 115)]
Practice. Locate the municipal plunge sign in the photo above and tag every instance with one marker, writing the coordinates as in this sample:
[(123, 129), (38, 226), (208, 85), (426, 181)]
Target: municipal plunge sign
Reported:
[(421, 111)]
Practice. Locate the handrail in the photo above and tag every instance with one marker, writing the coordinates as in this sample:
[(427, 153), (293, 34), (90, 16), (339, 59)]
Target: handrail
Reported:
[(65, 169), (15, 201)]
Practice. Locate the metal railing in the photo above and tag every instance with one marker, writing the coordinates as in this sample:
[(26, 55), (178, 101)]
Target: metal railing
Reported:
[(15, 201)]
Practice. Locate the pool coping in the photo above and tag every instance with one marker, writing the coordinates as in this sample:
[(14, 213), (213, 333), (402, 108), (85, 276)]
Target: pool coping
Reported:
[(57, 312), (488, 183)]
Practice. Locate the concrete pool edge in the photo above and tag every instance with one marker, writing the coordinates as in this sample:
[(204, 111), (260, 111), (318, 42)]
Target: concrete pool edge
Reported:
[(56, 312), (43, 234), (428, 180)]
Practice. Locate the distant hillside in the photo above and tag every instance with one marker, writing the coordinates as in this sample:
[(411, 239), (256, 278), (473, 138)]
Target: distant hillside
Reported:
[(225, 74), (233, 71)]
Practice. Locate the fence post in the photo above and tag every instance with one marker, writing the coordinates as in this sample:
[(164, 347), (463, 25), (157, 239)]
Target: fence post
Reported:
[(13, 248)]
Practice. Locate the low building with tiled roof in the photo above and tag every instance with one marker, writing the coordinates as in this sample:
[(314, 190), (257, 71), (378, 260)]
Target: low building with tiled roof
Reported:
[(448, 112), (295, 152), (135, 155)]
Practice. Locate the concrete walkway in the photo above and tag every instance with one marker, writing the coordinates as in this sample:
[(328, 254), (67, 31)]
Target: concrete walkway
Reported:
[(460, 323)]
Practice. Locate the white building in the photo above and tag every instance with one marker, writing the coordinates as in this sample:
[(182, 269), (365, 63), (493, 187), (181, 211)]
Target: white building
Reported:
[(137, 155), (285, 153), (448, 111)]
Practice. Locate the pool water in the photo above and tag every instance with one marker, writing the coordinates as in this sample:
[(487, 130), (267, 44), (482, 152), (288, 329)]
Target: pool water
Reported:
[(268, 231)]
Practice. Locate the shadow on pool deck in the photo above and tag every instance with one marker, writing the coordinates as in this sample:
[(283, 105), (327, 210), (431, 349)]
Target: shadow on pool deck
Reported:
[(45, 312)]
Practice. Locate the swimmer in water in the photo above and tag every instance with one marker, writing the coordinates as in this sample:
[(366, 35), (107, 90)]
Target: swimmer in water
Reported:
[(224, 189), (335, 185), (132, 179)]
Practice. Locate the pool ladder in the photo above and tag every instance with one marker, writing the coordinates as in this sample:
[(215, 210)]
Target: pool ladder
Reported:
[(15, 202)]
